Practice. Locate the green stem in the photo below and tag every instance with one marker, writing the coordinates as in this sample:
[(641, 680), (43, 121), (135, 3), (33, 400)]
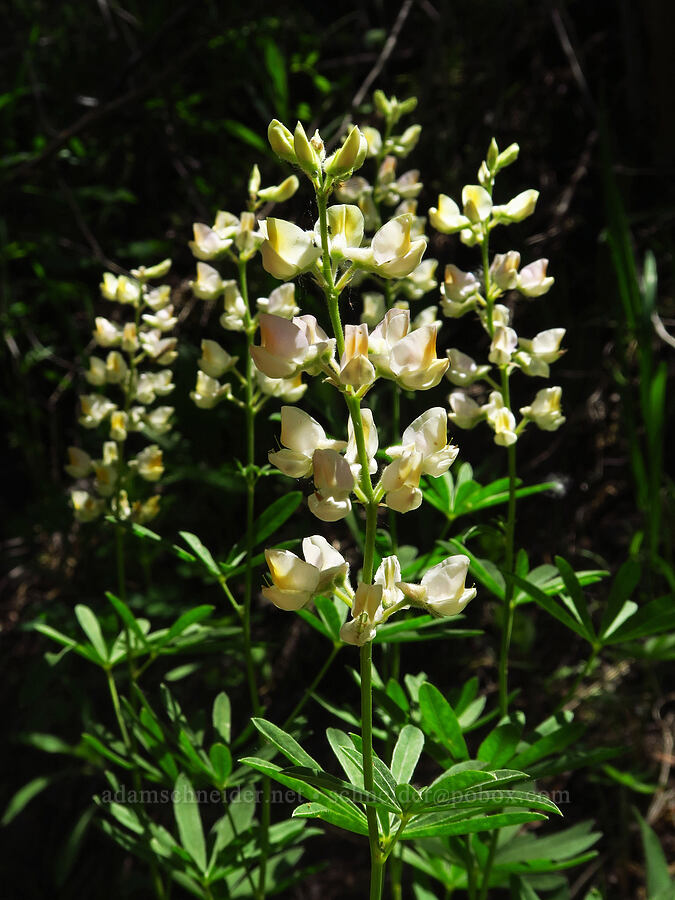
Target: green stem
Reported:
[(485, 882), (376, 857), (509, 607), (332, 294), (318, 678)]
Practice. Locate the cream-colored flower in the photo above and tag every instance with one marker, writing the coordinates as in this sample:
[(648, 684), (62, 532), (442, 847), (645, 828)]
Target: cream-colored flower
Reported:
[(158, 419), (477, 203), (504, 270), (393, 328), (130, 341), (208, 284), (119, 422), (105, 478), (533, 280), (350, 156), (366, 611), (95, 408), (208, 243), (464, 370), (208, 391), (107, 333), (392, 253), (373, 139), (517, 209), (121, 289), (281, 302), (162, 320), (215, 360), (465, 412), (371, 441), (345, 229), (388, 575), (158, 297), (294, 582), (116, 368), (279, 193), (235, 315), (442, 590), (332, 566), (79, 463), (149, 463), (300, 436), (503, 346), (428, 434), (426, 316), (288, 347), (154, 384), (413, 360), (96, 374), (288, 250), (355, 367), (333, 482), (420, 281), (536, 355), (373, 309), (288, 389), (160, 348), (545, 410), (500, 418), (446, 217), (86, 507)]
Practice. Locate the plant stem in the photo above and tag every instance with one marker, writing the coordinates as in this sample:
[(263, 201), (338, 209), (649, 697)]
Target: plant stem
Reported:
[(485, 881), (509, 608), (376, 857)]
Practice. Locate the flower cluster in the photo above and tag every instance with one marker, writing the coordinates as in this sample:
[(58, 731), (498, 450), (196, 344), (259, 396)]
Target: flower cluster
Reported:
[(462, 292), (136, 370)]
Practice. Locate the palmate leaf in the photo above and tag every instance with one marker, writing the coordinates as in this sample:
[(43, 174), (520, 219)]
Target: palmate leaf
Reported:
[(439, 823), (439, 719), (481, 799), (377, 797), (333, 816)]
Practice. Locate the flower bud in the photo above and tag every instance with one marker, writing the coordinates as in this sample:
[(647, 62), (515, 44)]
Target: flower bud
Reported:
[(278, 193), (115, 367), (344, 160), (382, 104), (404, 144), (508, 156), (254, 181), (281, 141), (545, 410), (355, 367), (151, 272), (532, 279), (118, 425), (306, 155), (492, 155), (465, 412), (504, 270), (366, 613), (517, 209)]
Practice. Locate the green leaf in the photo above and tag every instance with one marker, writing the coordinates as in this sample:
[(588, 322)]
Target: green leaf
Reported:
[(553, 743), (552, 607), (23, 797), (450, 783), (188, 820), (576, 594), (329, 615), (222, 716), (90, 625), (319, 778), (485, 571), (486, 799), (556, 847), (127, 617), (658, 877), (441, 720), (246, 135), (406, 754), (625, 582), (221, 760), (356, 823), (275, 515), (106, 752), (286, 744), (652, 618), (338, 740), (500, 744), (183, 622), (439, 823), (202, 553)]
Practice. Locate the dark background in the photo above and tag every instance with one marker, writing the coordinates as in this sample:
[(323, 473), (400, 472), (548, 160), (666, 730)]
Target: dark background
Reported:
[(121, 125)]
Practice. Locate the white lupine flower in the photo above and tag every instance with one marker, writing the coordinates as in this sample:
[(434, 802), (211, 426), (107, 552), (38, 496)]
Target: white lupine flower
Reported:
[(442, 591), (95, 408), (500, 418), (208, 284), (345, 229), (122, 505), (149, 463), (208, 391), (281, 302), (288, 389), (477, 203), (333, 482), (107, 333), (332, 566), (288, 347), (504, 270), (158, 297), (428, 434), (208, 243), (366, 612), (373, 139), (501, 315), (447, 218), (418, 223), (294, 582), (110, 453), (105, 478), (393, 328), (371, 441), (119, 421), (504, 343), (162, 320), (533, 280), (136, 418), (152, 384), (420, 281), (373, 309), (130, 338), (466, 413), (388, 575), (413, 360), (392, 253), (544, 348), (400, 481), (86, 507), (464, 370), (234, 317), (355, 367), (545, 410), (426, 316), (352, 189), (517, 209), (288, 250), (116, 368), (158, 419), (79, 463), (300, 436), (215, 361), (158, 347), (406, 142), (96, 374), (121, 289), (145, 512), (159, 270), (460, 286)]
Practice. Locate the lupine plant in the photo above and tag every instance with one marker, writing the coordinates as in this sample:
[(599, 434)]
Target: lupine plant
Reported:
[(433, 806)]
